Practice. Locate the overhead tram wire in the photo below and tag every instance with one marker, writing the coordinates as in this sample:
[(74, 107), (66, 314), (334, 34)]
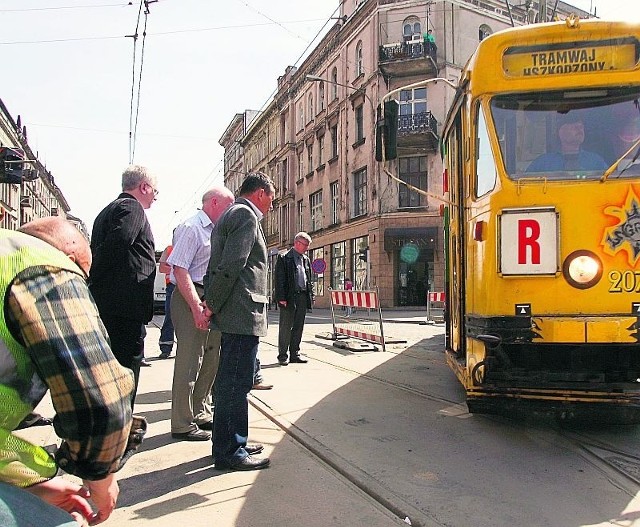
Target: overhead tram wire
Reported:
[(133, 115)]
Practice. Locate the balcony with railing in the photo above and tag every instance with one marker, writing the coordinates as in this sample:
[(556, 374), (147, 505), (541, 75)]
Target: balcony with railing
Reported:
[(417, 132), (412, 57)]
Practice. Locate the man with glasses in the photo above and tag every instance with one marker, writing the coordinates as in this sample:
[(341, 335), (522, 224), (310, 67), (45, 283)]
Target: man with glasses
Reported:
[(124, 267), (294, 295)]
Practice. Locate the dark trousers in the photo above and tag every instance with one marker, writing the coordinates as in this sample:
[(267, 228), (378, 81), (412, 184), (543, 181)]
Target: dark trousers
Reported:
[(290, 326), (233, 382), (167, 332), (127, 343)]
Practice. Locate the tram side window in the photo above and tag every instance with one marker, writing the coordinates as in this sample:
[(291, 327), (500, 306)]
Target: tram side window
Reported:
[(485, 165)]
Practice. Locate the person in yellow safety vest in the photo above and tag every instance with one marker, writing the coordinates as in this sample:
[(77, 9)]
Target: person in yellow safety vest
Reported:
[(52, 339)]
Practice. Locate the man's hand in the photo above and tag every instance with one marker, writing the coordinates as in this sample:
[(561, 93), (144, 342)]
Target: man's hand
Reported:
[(66, 495), (283, 303), (201, 318), (104, 494)]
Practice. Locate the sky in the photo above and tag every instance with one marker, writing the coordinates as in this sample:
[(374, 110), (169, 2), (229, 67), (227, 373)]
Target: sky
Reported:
[(69, 72)]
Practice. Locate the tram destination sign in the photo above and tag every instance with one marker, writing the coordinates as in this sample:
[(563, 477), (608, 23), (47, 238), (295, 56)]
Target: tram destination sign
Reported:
[(569, 58)]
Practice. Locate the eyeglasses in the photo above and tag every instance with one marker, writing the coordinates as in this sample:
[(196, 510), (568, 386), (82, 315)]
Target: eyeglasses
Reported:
[(155, 190)]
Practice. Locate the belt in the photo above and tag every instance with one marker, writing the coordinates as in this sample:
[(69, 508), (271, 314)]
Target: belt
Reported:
[(198, 285), (301, 292)]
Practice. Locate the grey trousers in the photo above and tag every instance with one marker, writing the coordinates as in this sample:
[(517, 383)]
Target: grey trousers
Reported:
[(195, 368)]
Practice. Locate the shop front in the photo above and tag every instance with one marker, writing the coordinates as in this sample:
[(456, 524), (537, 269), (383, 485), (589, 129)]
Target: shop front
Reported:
[(413, 252)]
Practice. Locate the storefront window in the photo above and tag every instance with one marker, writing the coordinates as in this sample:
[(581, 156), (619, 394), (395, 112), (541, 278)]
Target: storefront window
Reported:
[(317, 279), (359, 255), (338, 256)]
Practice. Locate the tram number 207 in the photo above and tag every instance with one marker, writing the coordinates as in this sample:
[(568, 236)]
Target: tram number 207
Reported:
[(624, 282)]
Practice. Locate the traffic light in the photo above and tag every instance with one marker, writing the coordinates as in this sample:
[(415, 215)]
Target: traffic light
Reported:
[(11, 165), (387, 130), (362, 254)]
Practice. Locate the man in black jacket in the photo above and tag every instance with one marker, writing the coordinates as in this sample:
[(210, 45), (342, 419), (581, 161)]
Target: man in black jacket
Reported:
[(124, 267), (294, 295)]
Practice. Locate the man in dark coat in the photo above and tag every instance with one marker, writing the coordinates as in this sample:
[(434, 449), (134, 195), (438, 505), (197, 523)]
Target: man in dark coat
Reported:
[(236, 297), (124, 267), (294, 295)]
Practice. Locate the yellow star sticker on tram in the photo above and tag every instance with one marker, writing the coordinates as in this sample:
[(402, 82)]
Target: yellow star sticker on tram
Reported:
[(626, 234)]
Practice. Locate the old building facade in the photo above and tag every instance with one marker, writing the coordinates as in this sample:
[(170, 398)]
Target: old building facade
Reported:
[(36, 195), (316, 139)]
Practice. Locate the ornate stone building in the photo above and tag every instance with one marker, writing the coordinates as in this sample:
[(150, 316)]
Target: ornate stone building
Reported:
[(316, 139)]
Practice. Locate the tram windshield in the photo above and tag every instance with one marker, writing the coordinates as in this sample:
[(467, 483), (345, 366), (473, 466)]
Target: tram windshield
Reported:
[(569, 134)]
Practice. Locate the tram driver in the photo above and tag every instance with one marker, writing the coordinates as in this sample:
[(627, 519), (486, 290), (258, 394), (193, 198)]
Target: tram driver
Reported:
[(571, 156)]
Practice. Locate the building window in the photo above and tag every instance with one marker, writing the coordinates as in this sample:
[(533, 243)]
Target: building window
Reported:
[(300, 216), (334, 141), (310, 158), (310, 118), (317, 279), (359, 123), (338, 256), (359, 59), (334, 86), (413, 102), (413, 170), (321, 97), (412, 29), (284, 178), (301, 115), (285, 223), (315, 206), (359, 255), (335, 202), (300, 166), (320, 151), (360, 192)]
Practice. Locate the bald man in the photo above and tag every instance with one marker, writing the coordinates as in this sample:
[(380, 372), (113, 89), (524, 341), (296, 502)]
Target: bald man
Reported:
[(51, 338), (198, 350)]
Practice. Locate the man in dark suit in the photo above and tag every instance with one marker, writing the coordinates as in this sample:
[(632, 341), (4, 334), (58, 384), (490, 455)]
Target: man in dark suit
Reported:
[(236, 296), (124, 267), (294, 295)]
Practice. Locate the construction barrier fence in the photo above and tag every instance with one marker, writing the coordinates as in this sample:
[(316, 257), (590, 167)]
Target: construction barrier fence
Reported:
[(435, 306), (359, 327)]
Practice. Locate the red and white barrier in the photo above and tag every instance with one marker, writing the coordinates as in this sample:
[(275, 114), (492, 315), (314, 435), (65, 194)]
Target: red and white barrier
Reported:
[(435, 306), (350, 298), (360, 329)]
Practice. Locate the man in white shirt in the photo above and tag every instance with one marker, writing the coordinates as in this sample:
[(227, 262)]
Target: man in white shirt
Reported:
[(198, 349)]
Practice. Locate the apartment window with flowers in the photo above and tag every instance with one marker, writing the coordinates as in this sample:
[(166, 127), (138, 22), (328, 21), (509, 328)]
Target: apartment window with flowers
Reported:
[(300, 212), (335, 202), (315, 206), (360, 192)]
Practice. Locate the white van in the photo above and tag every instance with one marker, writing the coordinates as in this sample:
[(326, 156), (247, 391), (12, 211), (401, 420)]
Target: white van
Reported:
[(159, 291)]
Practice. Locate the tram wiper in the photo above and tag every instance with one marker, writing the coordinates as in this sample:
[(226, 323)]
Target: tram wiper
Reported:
[(614, 166)]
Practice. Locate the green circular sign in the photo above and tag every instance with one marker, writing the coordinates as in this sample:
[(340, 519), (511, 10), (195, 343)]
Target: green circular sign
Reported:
[(409, 253)]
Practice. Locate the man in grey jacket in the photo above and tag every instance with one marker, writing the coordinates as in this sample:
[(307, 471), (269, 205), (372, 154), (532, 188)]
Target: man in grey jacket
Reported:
[(236, 300)]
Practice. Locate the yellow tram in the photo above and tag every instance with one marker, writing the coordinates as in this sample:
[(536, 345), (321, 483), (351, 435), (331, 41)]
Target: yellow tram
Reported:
[(541, 151)]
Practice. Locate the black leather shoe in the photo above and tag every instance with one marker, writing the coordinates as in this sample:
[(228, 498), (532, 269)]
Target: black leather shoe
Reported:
[(298, 360), (253, 448), (193, 435), (283, 362), (205, 426), (248, 463), (144, 363)]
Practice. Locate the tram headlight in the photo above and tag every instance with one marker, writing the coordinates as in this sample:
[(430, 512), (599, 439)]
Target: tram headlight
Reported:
[(582, 269)]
